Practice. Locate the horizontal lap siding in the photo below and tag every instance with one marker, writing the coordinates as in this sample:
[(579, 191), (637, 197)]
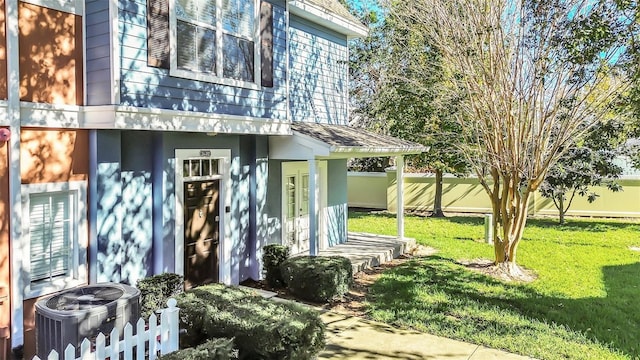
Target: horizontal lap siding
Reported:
[(97, 57), (318, 73), (151, 87)]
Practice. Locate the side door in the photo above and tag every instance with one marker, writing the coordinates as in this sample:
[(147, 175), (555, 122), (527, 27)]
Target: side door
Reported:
[(296, 207)]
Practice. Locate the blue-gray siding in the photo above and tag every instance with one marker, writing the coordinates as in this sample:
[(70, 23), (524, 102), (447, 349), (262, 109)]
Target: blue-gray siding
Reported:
[(98, 53), (318, 61), (135, 196), (150, 87)]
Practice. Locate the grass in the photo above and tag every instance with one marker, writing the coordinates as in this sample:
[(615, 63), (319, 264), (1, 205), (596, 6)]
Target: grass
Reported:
[(585, 303)]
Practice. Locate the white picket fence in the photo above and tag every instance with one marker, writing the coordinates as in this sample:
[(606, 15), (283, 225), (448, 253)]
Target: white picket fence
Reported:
[(161, 338)]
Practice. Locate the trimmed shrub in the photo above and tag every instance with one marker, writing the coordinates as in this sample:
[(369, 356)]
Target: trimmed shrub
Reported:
[(272, 257), (262, 328), (317, 278), (156, 290), (214, 349)]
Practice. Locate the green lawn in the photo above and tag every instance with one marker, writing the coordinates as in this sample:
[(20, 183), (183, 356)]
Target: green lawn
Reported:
[(585, 303)]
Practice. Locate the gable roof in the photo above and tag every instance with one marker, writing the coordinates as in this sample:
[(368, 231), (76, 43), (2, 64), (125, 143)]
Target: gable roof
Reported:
[(331, 14)]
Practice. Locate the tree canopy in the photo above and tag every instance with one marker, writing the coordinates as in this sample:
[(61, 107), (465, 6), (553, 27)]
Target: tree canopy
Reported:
[(533, 76)]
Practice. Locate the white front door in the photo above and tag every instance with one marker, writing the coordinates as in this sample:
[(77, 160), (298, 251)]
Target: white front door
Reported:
[(296, 206)]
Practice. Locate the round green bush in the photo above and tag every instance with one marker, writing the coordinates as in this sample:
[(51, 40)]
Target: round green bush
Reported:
[(317, 278)]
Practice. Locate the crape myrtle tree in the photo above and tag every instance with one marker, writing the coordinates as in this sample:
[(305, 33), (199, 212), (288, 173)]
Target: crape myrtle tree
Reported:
[(536, 75), (586, 164)]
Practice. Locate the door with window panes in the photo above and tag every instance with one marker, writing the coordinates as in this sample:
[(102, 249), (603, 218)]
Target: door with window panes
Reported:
[(201, 185), (296, 206)]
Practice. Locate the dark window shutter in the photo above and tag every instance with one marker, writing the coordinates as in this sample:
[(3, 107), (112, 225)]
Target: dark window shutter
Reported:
[(158, 33), (266, 43)]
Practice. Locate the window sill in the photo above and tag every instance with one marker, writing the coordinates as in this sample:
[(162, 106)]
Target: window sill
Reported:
[(191, 75), (50, 287)]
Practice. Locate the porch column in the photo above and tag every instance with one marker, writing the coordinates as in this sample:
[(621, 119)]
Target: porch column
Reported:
[(400, 195), (313, 207)]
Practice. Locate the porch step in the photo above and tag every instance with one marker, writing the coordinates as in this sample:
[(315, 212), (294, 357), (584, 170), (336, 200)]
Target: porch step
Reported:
[(368, 250)]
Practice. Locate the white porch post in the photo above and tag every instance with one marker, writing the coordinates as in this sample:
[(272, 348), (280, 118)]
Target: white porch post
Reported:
[(400, 195), (313, 207)]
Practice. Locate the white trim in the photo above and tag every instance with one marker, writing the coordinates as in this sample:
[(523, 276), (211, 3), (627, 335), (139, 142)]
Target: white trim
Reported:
[(226, 242), (51, 115), (327, 19), (135, 118), (287, 97), (218, 77), (78, 269), (15, 198), (400, 195), (114, 30), (75, 7), (84, 54), (4, 113)]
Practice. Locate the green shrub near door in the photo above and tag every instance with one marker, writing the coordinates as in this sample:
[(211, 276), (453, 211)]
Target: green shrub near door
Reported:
[(317, 278), (273, 255)]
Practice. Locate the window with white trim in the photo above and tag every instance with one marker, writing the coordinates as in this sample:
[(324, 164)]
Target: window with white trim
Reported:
[(54, 236), (51, 234), (216, 40)]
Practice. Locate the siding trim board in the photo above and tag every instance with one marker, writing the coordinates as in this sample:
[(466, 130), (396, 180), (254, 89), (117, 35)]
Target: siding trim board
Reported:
[(51, 116), (136, 118), (75, 7)]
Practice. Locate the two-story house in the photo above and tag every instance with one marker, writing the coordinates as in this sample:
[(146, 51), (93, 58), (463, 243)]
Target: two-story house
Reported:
[(141, 137)]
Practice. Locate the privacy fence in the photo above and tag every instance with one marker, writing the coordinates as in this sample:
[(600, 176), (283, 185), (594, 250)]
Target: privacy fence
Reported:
[(466, 195)]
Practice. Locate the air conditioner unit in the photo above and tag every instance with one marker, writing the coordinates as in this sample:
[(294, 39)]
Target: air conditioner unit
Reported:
[(71, 316)]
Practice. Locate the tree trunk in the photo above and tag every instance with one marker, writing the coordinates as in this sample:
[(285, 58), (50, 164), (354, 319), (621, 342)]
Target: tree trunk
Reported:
[(561, 209), (437, 201), (509, 205)]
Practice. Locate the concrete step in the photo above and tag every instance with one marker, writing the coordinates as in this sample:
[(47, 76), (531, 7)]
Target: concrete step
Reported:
[(369, 250)]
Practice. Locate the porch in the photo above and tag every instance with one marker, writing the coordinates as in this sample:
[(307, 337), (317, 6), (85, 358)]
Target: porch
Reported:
[(368, 250)]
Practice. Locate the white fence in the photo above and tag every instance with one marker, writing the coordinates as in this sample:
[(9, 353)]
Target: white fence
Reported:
[(161, 338)]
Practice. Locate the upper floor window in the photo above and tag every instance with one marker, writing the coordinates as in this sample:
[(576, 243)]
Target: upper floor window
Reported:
[(215, 40)]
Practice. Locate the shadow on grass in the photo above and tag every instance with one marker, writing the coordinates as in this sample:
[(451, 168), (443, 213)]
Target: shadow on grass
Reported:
[(435, 294), (591, 225)]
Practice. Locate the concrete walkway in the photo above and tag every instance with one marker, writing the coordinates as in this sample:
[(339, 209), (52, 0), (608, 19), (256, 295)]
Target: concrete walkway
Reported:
[(350, 337)]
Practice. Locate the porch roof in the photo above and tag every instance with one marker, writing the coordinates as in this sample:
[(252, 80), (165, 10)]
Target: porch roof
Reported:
[(314, 140)]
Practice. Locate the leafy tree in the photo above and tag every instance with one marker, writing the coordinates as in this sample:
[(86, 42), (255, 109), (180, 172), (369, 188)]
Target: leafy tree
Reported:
[(395, 91), (585, 165), (536, 75)]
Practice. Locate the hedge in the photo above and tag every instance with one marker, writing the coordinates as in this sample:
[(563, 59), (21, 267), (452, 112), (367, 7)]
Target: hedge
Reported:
[(262, 328), (213, 349), (317, 278), (156, 290)]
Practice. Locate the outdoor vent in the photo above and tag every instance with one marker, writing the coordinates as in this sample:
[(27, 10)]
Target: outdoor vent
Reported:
[(73, 315)]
